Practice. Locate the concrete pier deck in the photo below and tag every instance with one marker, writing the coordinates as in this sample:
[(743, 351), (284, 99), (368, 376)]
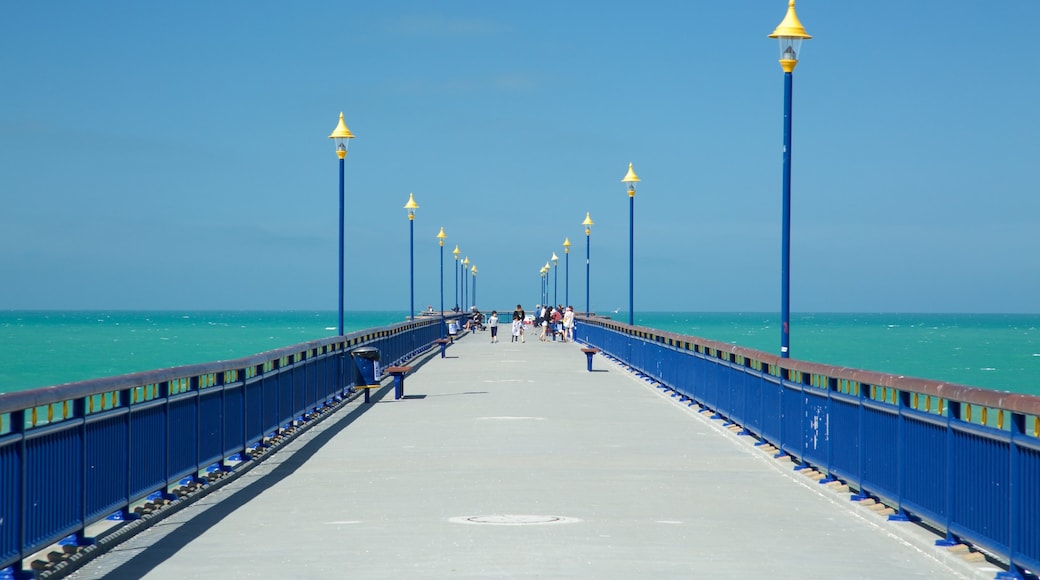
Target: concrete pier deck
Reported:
[(511, 460)]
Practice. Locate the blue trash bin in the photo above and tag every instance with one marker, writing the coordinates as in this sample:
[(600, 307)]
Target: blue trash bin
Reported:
[(366, 365)]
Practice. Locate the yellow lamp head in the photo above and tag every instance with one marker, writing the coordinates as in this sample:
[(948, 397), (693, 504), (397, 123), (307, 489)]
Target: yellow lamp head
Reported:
[(411, 206), (790, 33), (588, 223), (466, 262), (440, 238), (631, 179), (566, 245), (456, 252), (555, 259), (342, 136)]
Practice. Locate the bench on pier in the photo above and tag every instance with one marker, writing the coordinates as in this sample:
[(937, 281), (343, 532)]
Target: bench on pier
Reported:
[(443, 342), (367, 389), (588, 354), (398, 373)]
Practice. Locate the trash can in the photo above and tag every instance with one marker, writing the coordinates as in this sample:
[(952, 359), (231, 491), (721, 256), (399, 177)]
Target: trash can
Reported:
[(366, 365)]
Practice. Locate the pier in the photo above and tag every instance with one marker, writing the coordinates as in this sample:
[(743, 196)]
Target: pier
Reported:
[(631, 452), (513, 460)]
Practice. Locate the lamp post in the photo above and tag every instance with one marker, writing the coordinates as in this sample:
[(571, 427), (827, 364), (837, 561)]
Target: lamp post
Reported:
[(440, 242), (411, 206), (631, 179), (342, 136), (556, 279), (462, 280), (541, 293), (567, 271), (790, 33), (588, 223), (474, 270), (547, 269), (455, 274)]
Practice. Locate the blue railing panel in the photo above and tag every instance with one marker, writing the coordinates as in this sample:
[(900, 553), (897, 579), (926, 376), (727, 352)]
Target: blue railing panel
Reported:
[(792, 408), (772, 424), (106, 462), (182, 449), (981, 487), (924, 477), (10, 498), (844, 425), (880, 450), (301, 403), (816, 426), (270, 422), (254, 411), (286, 396), (147, 445), (1027, 501), (211, 420), (53, 495), (234, 418)]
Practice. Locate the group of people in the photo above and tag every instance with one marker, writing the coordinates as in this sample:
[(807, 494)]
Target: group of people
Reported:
[(551, 322)]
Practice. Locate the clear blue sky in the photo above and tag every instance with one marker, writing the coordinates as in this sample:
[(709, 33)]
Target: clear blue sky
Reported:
[(175, 155)]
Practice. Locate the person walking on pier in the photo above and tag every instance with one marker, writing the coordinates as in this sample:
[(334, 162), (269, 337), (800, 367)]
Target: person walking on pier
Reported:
[(518, 324), (493, 325), (568, 324)]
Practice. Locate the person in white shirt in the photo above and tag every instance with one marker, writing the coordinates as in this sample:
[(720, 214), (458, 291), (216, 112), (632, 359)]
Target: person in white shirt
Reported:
[(568, 324)]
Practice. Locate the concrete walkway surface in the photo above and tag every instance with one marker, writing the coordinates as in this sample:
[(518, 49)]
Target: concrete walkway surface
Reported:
[(512, 461)]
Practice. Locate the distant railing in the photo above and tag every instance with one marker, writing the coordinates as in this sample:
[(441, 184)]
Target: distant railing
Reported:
[(76, 454), (963, 460)]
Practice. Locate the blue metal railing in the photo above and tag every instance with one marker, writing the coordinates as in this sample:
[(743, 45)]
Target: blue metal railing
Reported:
[(74, 454), (963, 460)]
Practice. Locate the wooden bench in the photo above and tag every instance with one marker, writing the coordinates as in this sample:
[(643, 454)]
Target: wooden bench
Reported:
[(588, 354), (444, 342), (367, 389), (398, 373)]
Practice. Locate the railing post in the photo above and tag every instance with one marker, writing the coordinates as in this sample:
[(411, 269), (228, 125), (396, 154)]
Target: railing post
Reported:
[(1017, 487), (902, 404), (861, 411)]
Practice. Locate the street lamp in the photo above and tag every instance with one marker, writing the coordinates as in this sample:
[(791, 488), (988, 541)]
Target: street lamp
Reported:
[(588, 223), (556, 279), (547, 269), (543, 297), (462, 279), (474, 270), (456, 275), (631, 179), (790, 33), (342, 136), (411, 206), (440, 242), (567, 271)]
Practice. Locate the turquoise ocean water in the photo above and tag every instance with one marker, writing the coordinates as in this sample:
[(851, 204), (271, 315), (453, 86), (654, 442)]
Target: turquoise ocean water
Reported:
[(996, 351)]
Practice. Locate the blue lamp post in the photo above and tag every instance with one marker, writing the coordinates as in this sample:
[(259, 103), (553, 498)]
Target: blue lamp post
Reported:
[(567, 271), (342, 136), (790, 33), (411, 206), (556, 279), (631, 179), (474, 270), (455, 274), (462, 280), (440, 241), (588, 223)]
